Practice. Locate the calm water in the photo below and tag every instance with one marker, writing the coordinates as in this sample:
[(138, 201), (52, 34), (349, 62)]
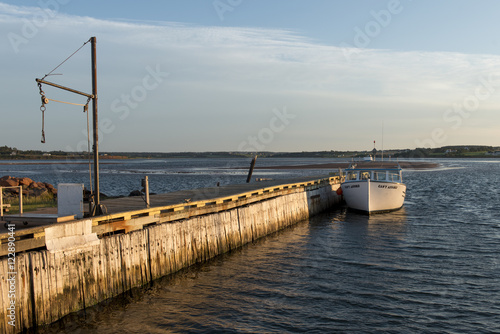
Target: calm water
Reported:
[(432, 267), (120, 177)]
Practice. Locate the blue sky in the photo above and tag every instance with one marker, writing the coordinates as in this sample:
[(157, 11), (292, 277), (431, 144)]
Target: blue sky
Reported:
[(253, 75)]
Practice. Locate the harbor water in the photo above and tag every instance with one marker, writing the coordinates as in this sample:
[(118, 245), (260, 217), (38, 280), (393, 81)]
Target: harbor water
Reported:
[(431, 267)]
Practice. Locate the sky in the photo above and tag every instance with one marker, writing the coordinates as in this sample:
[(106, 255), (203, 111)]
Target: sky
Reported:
[(252, 75)]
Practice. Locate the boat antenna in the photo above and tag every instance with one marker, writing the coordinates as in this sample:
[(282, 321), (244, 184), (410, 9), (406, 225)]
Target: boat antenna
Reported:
[(374, 151), (382, 140)]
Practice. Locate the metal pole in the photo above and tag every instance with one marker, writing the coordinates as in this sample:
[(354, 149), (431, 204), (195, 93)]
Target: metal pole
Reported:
[(97, 209), (382, 141), (63, 87), (20, 199), (1, 202)]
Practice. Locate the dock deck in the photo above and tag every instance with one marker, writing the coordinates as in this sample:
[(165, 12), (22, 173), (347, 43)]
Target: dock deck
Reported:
[(121, 204)]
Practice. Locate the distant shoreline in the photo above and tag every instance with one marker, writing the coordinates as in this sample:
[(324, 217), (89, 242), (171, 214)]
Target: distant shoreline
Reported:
[(333, 165), (361, 164), (445, 152)]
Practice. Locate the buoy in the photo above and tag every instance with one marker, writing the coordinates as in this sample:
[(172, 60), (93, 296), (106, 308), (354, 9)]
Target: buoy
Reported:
[(339, 191)]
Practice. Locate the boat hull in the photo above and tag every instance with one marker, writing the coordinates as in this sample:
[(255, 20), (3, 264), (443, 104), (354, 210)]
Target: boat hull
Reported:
[(374, 196)]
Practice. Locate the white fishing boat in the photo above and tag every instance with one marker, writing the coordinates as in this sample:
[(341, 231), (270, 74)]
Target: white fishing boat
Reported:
[(368, 158), (374, 188)]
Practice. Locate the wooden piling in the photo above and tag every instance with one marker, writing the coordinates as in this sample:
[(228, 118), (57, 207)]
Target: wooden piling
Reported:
[(250, 171)]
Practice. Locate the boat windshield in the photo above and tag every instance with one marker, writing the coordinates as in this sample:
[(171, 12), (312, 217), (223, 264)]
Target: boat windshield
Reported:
[(358, 175), (352, 176), (364, 175), (394, 177), (377, 175), (380, 176)]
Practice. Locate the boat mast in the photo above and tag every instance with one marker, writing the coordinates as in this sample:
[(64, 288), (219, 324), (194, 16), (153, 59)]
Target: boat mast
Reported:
[(382, 140)]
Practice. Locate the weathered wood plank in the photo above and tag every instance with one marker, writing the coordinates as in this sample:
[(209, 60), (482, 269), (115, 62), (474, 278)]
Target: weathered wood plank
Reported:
[(158, 255), (23, 245), (25, 292), (4, 299)]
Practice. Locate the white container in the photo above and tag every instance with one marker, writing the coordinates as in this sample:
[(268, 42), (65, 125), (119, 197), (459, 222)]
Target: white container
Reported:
[(70, 199)]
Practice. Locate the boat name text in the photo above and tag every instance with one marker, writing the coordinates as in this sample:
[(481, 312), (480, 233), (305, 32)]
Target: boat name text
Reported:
[(387, 187)]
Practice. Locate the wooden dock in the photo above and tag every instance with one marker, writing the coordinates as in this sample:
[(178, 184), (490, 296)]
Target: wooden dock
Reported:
[(66, 267), (210, 195)]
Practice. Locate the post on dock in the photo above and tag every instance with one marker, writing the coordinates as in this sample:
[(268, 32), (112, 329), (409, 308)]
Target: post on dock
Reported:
[(145, 185)]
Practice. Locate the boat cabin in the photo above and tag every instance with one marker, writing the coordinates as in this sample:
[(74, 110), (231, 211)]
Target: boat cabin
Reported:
[(381, 175)]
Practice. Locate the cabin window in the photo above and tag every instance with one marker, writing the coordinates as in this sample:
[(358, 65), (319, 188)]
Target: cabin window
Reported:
[(352, 176), (365, 175), (379, 176), (394, 177)]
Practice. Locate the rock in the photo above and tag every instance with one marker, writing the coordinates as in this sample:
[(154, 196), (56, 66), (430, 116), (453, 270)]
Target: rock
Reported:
[(9, 182), (39, 192), (13, 190), (33, 185), (135, 193), (25, 181), (51, 188), (86, 195), (30, 187)]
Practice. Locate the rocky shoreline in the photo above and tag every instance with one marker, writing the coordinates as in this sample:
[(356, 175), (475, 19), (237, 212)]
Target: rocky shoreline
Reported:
[(30, 188)]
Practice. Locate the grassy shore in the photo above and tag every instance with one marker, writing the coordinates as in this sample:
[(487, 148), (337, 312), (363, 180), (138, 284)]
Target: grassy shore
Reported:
[(30, 203)]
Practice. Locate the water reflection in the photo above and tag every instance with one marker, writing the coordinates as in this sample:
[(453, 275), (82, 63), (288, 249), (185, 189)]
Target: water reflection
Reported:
[(379, 222)]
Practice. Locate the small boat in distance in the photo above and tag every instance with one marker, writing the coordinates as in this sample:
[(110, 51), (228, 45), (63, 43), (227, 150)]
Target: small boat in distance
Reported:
[(371, 188)]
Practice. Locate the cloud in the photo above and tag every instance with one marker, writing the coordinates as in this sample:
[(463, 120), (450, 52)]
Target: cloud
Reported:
[(224, 82)]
